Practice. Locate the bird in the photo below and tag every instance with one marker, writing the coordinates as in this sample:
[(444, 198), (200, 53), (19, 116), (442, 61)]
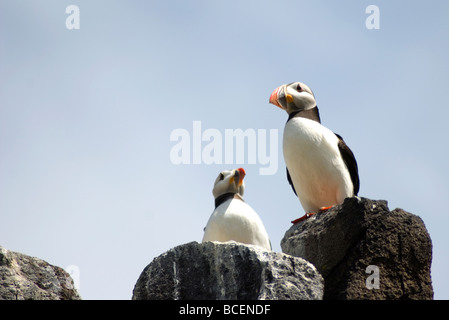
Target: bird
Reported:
[(321, 168), (233, 219)]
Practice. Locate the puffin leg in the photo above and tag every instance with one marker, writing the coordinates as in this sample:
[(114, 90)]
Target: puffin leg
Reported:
[(325, 208), (304, 217), (309, 214)]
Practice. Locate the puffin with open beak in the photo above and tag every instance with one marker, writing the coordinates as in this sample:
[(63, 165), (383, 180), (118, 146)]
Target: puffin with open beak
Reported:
[(233, 219), (321, 168)]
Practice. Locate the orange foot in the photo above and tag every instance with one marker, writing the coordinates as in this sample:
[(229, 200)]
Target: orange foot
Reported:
[(309, 214), (304, 217)]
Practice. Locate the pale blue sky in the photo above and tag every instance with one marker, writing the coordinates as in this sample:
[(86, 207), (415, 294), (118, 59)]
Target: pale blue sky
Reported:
[(86, 115)]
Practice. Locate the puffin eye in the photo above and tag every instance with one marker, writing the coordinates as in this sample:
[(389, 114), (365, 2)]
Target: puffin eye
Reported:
[(221, 176), (298, 88)]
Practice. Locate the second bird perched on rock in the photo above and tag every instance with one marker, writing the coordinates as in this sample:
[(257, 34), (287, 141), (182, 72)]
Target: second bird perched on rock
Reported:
[(233, 219), (321, 169)]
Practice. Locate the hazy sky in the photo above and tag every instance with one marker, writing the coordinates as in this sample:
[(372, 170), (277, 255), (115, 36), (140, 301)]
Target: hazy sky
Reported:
[(90, 117)]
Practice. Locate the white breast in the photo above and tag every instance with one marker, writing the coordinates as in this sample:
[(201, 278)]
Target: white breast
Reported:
[(235, 220), (319, 175)]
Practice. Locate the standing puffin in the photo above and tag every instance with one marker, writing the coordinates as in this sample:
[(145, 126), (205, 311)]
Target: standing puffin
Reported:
[(321, 168), (233, 219)]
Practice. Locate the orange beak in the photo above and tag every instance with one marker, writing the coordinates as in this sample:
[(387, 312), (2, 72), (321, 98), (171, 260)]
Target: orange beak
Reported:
[(274, 97), (242, 175)]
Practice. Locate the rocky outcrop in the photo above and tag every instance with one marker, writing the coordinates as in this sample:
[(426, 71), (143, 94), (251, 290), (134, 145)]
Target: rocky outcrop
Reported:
[(228, 270), (26, 278), (365, 251)]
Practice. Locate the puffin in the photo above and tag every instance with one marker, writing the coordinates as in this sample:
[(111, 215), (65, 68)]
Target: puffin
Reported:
[(233, 219), (321, 168)]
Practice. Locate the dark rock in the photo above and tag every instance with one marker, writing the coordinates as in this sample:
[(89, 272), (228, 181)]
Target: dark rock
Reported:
[(343, 241), (26, 278), (225, 271)]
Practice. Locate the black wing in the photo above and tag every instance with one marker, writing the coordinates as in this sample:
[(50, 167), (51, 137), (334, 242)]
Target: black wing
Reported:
[(290, 181), (351, 163)]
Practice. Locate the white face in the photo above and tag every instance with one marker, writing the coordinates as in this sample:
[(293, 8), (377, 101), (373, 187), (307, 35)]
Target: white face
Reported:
[(295, 96), (229, 181)]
